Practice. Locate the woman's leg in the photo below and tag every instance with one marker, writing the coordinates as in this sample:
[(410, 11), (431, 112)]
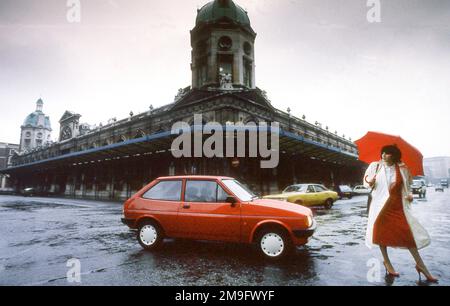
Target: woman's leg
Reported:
[(387, 261), (415, 254)]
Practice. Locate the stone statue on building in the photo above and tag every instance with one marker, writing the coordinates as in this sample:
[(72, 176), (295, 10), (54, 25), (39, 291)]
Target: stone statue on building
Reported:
[(226, 81)]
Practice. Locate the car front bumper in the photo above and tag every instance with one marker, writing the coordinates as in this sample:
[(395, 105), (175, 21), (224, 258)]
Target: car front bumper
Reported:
[(129, 222), (305, 233)]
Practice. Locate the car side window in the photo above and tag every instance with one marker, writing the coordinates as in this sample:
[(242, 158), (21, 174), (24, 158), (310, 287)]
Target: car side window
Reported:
[(165, 191), (310, 189), (290, 189), (222, 195), (319, 188), (201, 191)]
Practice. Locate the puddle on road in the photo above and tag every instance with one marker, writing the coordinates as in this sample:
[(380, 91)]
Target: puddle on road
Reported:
[(32, 206)]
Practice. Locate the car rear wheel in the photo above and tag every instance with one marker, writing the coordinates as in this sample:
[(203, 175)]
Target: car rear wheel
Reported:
[(274, 244), (329, 204), (149, 235)]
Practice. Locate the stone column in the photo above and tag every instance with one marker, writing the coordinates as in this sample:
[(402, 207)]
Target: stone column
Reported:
[(70, 187), (82, 186), (212, 62)]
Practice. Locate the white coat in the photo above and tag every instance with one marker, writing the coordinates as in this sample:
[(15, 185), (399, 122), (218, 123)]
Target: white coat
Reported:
[(380, 195)]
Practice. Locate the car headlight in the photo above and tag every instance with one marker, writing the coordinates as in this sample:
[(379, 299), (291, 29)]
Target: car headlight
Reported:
[(310, 221)]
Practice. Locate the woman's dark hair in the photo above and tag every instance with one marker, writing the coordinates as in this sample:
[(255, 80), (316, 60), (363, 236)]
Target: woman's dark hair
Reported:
[(394, 151)]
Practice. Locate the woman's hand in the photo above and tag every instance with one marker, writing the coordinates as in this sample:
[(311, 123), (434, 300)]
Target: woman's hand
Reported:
[(372, 182), (409, 198)]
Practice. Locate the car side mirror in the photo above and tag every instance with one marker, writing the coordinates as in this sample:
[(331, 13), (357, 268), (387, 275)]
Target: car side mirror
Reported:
[(231, 200)]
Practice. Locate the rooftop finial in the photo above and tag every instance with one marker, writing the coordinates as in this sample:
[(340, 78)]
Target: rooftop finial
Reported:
[(39, 105)]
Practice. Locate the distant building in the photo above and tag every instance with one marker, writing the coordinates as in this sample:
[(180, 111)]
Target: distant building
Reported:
[(7, 150), (36, 129), (437, 168)]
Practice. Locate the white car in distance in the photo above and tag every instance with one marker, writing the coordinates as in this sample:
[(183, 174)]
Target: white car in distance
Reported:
[(361, 190)]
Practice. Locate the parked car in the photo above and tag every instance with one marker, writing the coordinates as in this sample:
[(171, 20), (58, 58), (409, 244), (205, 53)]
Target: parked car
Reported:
[(439, 188), (216, 209), (361, 190), (35, 192), (7, 191), (307, 195), (444, 183), (345, 191), (29, 192), (419, 187)]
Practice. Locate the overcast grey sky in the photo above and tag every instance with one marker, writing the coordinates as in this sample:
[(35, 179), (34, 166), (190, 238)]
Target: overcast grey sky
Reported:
[(321, 58)]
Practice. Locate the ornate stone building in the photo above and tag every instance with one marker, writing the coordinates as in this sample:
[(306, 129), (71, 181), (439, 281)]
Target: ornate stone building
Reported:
[(36, 129), (115, 160), (7, 151)]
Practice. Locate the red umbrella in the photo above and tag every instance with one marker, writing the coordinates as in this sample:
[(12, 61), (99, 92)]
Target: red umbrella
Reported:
[(370, 150)]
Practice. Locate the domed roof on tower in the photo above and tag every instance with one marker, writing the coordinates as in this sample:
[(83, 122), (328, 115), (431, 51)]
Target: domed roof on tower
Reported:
[(219, 10), (37, 119)]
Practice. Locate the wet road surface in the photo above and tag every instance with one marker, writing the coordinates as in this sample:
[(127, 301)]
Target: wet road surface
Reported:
[(39, 235)]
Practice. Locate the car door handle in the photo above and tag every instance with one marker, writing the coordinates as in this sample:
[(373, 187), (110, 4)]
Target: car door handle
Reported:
[(186, 206)]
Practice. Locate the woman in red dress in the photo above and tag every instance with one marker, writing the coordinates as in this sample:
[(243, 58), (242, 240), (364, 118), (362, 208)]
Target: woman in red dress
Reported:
[(391, 227)]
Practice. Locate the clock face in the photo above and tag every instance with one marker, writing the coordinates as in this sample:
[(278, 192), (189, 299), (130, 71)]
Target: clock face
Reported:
[(225, 43), (66, 133)]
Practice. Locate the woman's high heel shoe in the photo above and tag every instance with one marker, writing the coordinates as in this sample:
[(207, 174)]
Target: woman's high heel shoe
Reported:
[(391, 273), (429, 277)]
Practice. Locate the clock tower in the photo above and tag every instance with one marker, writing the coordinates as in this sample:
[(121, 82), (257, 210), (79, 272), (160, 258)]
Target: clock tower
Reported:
[(69, 126), (223, 43), (36, 129)]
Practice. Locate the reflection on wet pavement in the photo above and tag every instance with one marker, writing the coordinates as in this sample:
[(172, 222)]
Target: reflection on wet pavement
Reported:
[(39, 235)]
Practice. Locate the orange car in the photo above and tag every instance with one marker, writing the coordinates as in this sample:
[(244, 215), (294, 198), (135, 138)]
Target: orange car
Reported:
[(216, 209)]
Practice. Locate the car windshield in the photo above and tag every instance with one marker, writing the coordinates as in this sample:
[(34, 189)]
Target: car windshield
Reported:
[(296, 188), (418, 183), (240, 190)]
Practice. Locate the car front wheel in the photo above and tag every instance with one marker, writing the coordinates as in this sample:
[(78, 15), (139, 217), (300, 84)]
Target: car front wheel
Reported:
[(149, 235), (274, 244)]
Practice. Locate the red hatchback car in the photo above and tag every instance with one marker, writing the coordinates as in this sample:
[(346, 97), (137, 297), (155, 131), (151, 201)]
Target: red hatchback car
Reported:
[(216, 209)]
